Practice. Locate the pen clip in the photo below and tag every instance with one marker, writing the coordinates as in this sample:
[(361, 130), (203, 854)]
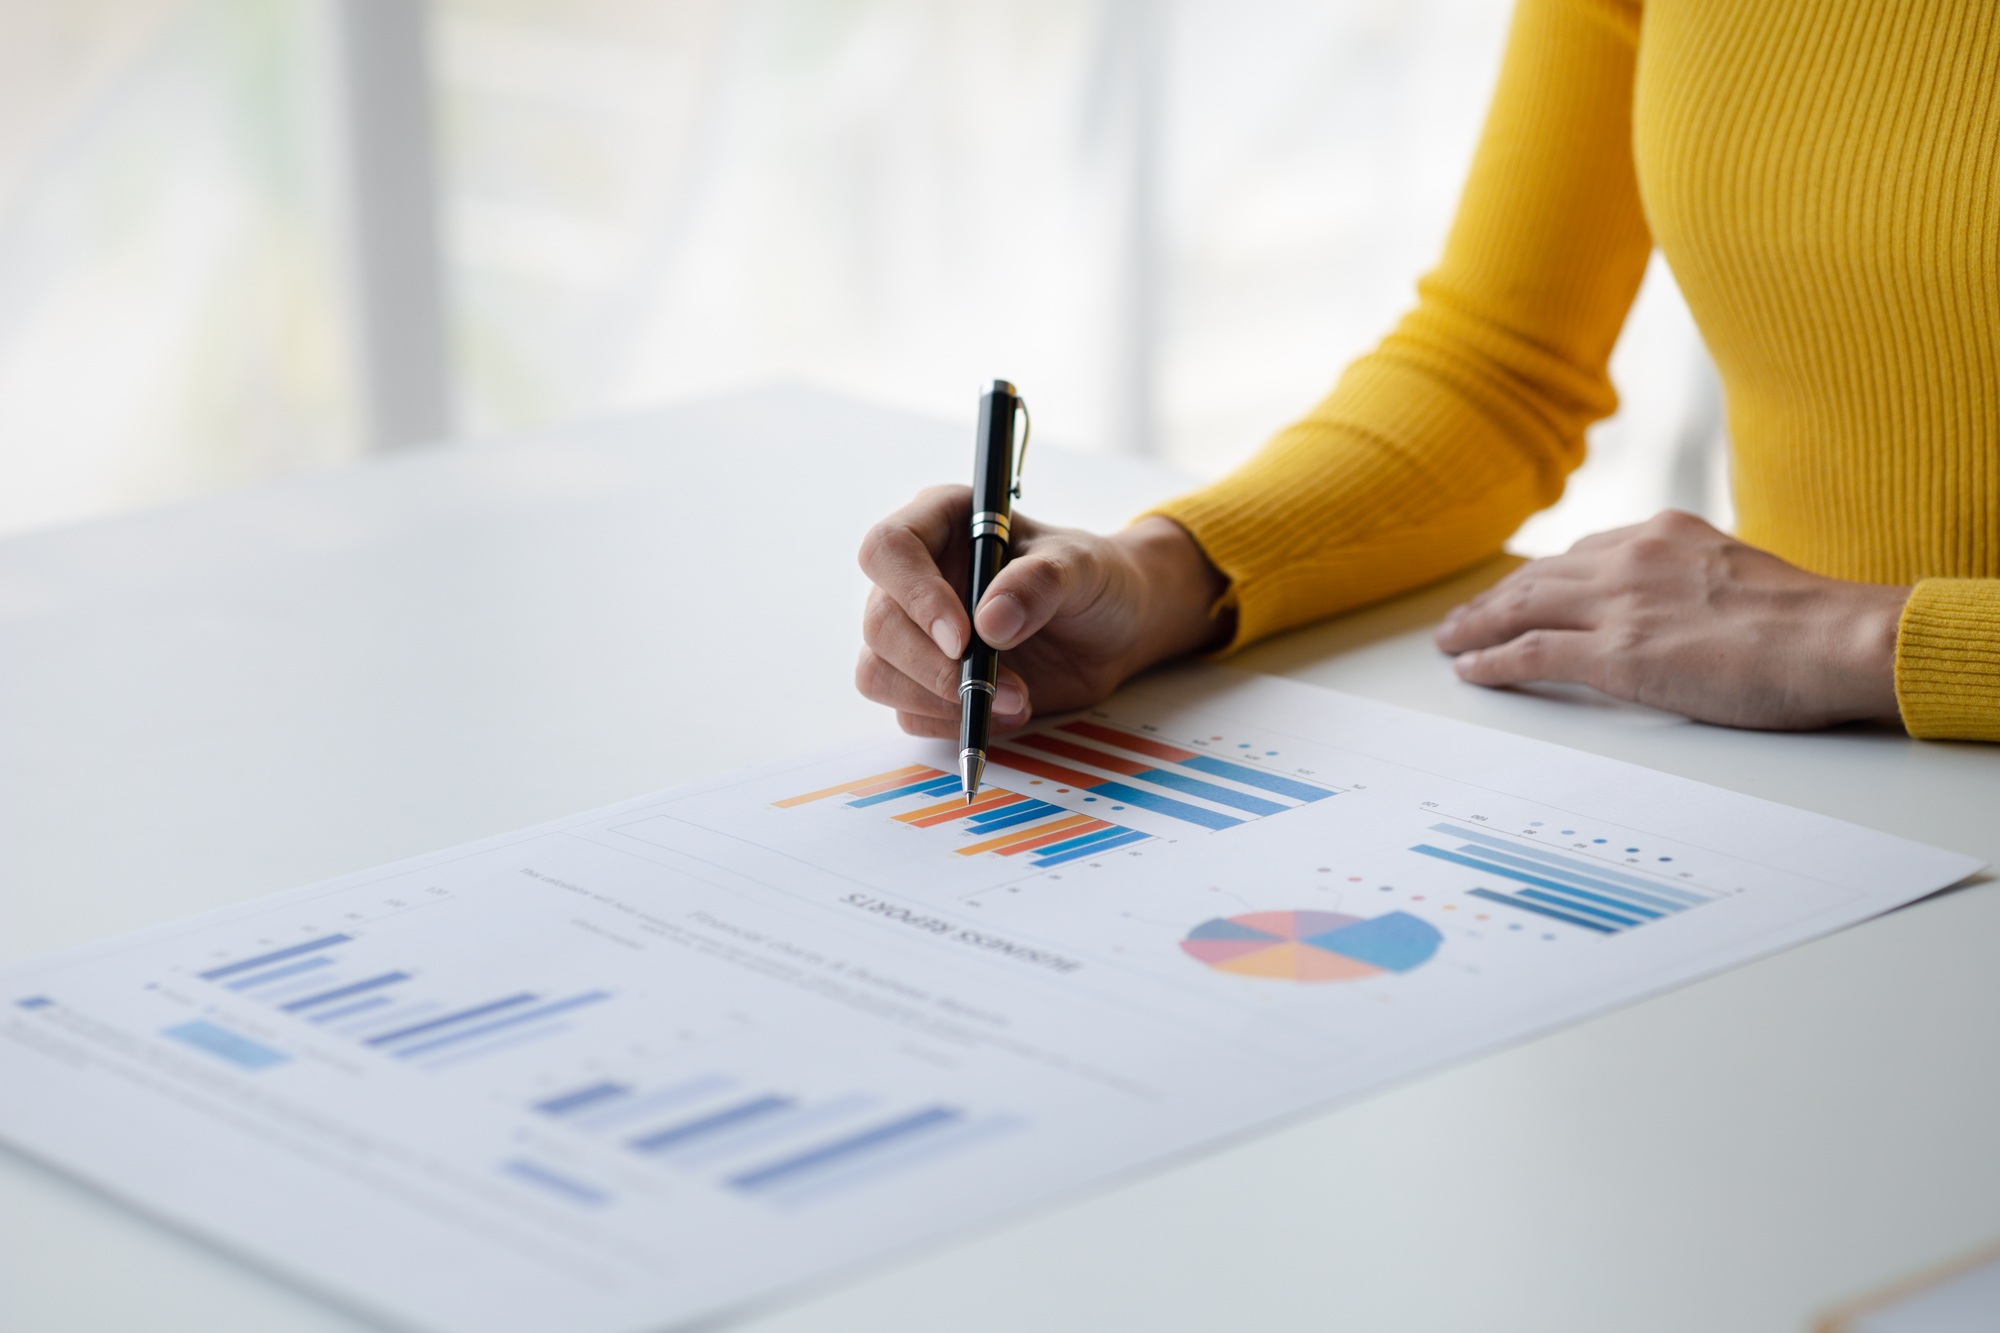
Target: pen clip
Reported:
[(1021, 453)]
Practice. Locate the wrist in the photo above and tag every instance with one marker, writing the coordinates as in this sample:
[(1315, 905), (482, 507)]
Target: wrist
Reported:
[(1178, 589), (1865, 628)]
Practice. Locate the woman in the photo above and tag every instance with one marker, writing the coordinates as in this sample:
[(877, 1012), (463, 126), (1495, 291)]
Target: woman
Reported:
[(1823, 176)]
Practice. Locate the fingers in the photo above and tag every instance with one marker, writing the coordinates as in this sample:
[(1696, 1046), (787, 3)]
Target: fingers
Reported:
[(1049, 579), (901, 555), (1540, 654), (880, 681), (893, 637), (1551, 599)]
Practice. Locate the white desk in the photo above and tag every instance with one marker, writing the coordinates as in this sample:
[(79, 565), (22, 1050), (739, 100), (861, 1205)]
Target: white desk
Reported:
[(209, 702)]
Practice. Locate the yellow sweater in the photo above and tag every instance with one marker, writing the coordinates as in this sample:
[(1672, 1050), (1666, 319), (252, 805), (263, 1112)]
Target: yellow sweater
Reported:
[(1823, 176)]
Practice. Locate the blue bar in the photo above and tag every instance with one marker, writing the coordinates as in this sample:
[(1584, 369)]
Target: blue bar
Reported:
[(234, 1047), (759, 1109), (929, 786), (1012, 811), (1257, 777), (279, 974), (347, 1010), (658, 1099), (1003, 811), (1022, 817), (275, 956), (1162, 805), (1491, 896), (34, 1002), (1581, 896), (868, 1139), (1622, 894), (529, 1016), (373, 983), (594, 1095), (1084, 841), (525, 997), (1678, 895), (1556, 900), (1208, 791), (574, 1190), (479, 1050), (1124, 837), (754, 1136), (1539, 881), (953, 1140)]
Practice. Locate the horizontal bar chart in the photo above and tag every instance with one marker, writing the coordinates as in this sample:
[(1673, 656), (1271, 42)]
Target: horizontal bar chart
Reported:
[(842, 1150), (1002, 822), (320, 945), (1557, 887), (1115, 769)]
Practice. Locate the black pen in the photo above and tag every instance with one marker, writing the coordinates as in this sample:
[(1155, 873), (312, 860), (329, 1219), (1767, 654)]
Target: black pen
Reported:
[(996, 480)]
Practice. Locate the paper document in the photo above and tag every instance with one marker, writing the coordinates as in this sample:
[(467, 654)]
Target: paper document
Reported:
[(648, 1063)]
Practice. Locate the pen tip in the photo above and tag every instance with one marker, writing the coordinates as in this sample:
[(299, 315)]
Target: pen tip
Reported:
[(971, 764)]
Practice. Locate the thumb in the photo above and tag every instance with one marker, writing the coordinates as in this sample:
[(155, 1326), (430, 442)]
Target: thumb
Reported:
[(1033, 590)]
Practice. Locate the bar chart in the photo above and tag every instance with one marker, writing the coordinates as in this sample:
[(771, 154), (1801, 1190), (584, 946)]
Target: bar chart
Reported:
[(1002, 822), (1076, 790), (1574, 890), (320, 982), (768, 1143)]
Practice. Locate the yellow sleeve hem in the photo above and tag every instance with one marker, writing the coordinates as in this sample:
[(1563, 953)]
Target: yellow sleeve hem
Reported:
[(1948, 660)]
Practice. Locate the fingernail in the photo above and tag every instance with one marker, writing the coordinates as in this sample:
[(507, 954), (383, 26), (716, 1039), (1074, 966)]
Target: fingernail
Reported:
[(1451, 617), (945, 635), (1009, 700), (1466, 661), (1004, 617)]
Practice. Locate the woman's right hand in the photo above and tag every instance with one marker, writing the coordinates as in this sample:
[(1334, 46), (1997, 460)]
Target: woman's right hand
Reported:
[(1075, 613)]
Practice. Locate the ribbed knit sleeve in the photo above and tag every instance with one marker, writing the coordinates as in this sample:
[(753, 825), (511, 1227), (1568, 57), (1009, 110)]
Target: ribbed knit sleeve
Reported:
[(1432, 449), (1948, 660)]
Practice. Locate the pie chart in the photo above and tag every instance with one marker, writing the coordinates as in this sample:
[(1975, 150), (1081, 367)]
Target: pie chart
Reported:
[(1312, 946)]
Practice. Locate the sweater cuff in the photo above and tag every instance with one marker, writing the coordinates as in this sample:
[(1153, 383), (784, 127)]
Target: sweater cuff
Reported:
[(1948, 660)]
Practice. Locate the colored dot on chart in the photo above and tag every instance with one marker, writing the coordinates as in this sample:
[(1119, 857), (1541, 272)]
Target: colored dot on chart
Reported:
[(1354, 879), (1034, 782), (1272, 753), (1243, 745), (1385, 888), (1597, 840), (1451, 907), (1568, 831), (1062, 791), (1534, 823), (1416, 897), (1631, 849), (1215, 738), (1117, 807), (1513, 926), (1548, 937), (1480, 917), (1666, 858)]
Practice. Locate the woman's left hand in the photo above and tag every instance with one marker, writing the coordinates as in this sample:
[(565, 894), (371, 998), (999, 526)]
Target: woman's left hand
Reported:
[(1675, 614)]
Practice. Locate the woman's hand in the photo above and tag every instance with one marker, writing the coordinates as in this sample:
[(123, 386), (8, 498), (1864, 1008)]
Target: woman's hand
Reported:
[(1074, 612), (1675, 614)]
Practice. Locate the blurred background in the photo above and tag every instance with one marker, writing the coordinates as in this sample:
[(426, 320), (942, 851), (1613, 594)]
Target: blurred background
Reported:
[(240, 238)]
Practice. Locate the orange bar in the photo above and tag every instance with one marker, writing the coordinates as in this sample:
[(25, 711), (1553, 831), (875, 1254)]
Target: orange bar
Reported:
[(846, 787), (1066, 826), (900, 780), (1126, 740), (1068, 833), (1083, 754), (946, 811), (1041, 768)]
